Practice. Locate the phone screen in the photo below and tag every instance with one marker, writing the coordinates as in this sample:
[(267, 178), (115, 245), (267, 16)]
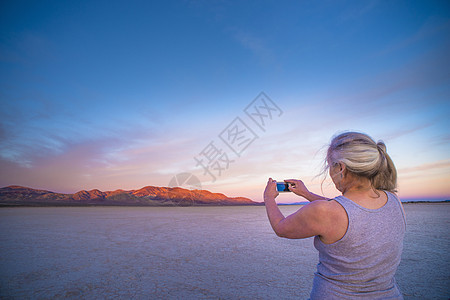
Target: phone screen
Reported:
[(283, 187)]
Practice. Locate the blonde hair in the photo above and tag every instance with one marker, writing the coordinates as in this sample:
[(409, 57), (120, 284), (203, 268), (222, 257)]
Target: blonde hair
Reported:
[(363, 157)]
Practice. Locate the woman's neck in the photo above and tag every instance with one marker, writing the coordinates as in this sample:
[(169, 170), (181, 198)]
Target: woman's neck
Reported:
[(363, 193), (360, 187)]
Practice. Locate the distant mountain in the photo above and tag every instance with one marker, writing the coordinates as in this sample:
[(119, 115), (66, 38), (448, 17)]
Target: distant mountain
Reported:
[(146, 196)]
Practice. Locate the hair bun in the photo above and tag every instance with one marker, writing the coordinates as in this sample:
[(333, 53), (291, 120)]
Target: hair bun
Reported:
[(381, 146)]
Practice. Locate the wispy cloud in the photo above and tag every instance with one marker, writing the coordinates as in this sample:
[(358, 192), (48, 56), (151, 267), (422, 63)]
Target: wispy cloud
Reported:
[(433, 26), (258, 46), (105, 163), (357, 10), (442, 166), (25, 45)]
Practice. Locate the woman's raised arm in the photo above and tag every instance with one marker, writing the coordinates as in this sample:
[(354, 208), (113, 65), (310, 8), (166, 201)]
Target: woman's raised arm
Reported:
[(316, 218)]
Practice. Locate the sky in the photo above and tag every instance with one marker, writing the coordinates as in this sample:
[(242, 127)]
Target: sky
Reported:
[(220, 95)]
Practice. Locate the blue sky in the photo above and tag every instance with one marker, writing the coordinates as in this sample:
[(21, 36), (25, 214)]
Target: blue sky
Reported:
[(124, 94)]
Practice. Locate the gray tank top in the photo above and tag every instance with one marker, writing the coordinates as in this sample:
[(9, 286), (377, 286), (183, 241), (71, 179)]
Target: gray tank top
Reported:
[(362, 264)]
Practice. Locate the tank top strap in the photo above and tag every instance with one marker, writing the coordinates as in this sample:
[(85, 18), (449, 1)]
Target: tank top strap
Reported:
[(348, 204), (396, 203)]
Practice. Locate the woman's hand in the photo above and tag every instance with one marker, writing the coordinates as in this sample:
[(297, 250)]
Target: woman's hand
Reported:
[(298, 187), (271, 190)]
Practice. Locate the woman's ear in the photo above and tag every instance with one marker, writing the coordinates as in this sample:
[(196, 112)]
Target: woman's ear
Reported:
[(342, 168)]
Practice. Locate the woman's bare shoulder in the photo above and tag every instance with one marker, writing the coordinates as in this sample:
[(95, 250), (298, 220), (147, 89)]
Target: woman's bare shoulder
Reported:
[(335, 221)]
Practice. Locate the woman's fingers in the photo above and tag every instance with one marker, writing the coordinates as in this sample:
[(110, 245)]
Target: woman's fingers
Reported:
[(290, 180), (293, 182), (271, 189)]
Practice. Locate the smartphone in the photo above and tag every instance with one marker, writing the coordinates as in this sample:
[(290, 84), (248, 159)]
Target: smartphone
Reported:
[(283, 187)]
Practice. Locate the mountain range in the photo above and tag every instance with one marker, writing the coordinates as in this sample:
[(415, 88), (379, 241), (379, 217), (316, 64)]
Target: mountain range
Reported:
[(146, 196)]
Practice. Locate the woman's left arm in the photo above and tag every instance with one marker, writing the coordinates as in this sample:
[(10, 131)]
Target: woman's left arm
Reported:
[(273, 212)]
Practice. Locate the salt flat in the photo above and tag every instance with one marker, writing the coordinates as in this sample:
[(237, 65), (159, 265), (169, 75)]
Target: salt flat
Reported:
[(189, 253)]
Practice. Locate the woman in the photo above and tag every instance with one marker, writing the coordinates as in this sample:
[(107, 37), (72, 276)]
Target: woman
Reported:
[(359, 235)]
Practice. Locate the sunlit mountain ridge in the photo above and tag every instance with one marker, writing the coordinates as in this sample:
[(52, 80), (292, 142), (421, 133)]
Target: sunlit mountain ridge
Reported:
[(146, 196)]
